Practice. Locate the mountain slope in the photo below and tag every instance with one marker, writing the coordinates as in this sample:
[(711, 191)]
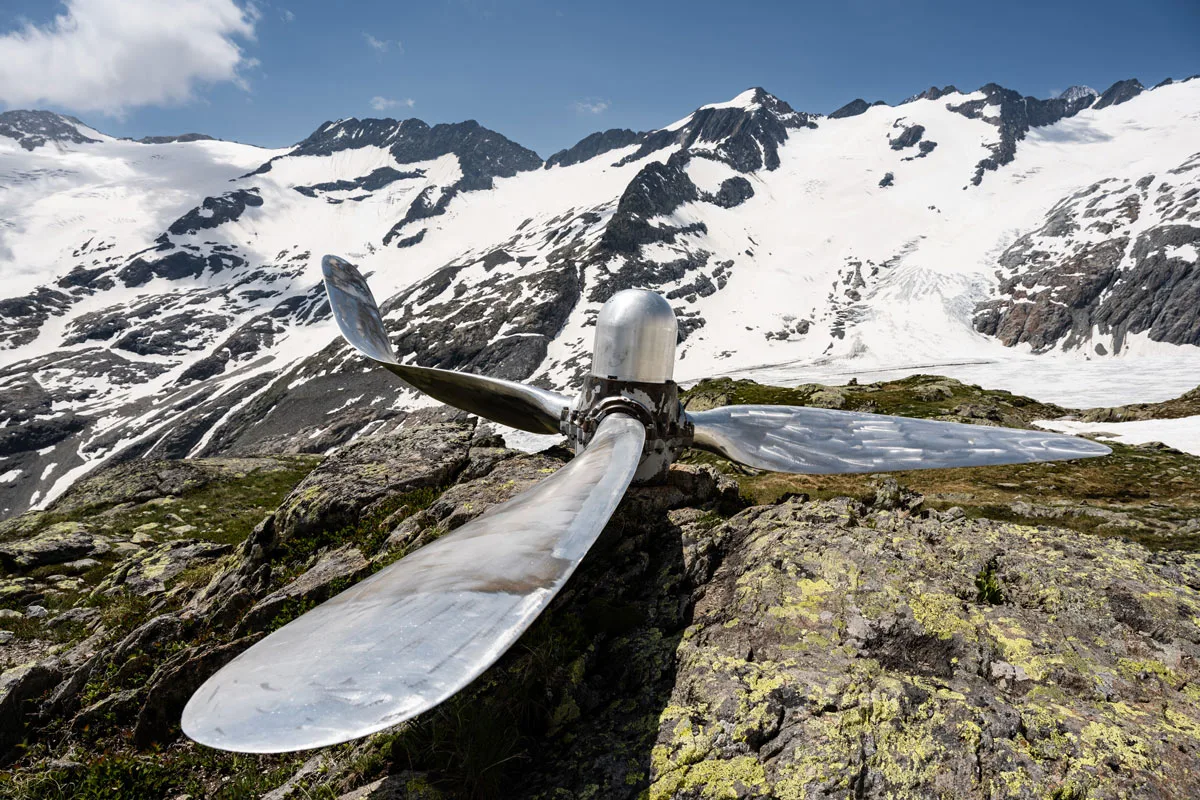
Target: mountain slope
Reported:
[(164, 297)]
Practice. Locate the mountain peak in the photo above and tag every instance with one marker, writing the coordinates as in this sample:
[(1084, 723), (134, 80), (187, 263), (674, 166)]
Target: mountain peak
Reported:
[(1120, 92), (32, 129), (1078, 92), (748, 100)]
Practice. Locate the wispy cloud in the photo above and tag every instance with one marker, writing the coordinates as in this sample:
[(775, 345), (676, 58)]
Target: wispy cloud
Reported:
[(380, 103), (382, 45), (592, 105), (109, 56), (287, 15)]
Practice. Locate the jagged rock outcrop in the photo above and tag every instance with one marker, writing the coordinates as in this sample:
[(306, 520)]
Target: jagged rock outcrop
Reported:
[(1120, 92), (745, 134), (182, 137), (908, 137), (216, 211), (1134, 272), (849, 647), (33, 129), (482, 154), (933, 93), (1017, 114), (593, 145), (854, 108)]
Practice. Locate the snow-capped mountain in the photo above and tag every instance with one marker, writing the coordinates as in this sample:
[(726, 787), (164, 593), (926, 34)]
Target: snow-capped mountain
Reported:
[(164, 297)]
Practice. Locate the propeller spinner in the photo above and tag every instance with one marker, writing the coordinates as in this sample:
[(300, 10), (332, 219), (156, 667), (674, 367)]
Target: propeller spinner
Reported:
[(418, 631)]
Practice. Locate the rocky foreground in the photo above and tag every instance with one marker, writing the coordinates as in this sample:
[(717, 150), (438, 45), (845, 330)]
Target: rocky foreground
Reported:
[(872, 644)]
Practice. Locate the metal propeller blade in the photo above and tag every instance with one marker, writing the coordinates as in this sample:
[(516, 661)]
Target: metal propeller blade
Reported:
[(822, 441), (415, 633), (516, 405)]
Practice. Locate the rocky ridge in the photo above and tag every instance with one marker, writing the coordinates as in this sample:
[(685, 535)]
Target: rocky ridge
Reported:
[(1114, 259), (189, 342), (34, 129), (848, 641)]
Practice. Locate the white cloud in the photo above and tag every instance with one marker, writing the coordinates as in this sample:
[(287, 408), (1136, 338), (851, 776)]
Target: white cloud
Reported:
[(288, 16), (378, 45), (112, 55), (379, 103), (592, 106)]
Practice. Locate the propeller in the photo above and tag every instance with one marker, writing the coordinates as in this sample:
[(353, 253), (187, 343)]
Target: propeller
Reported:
[(516, 405), (410, 636), (822, 441)]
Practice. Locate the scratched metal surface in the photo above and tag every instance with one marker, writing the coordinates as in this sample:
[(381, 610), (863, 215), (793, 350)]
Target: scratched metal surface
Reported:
[(516, 405), (822, 441), (408, 637), (636, 336)]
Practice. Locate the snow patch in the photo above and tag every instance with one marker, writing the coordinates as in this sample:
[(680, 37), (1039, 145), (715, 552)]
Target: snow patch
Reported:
[(1182, 434)]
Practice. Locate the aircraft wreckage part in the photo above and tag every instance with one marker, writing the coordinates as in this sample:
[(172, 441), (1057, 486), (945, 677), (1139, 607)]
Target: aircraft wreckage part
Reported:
[(636, 336), (410, 636), (655, 405), (822, 441), (523, 407)]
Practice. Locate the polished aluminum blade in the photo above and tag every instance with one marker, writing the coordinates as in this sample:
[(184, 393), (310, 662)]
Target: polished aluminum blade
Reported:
[(408, 637), (513, 404), (822, 441)]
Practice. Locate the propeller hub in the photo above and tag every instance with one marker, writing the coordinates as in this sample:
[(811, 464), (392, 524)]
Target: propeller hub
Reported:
[(632, 365), (636, 334)]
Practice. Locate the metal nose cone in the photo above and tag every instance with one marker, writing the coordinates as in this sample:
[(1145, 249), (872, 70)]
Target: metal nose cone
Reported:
[(636, 334)]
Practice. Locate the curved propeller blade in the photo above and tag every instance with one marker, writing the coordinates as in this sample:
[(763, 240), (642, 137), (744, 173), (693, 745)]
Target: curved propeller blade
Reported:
[(821, 441), (408, 637), (516, 405)]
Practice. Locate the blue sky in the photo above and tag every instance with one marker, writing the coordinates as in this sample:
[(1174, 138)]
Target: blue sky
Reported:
[(544, 73)]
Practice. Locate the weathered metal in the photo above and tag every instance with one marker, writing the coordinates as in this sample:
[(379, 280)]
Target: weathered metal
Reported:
[(408, 637), (636, 335), (823, 441), (526, 408), (655, 405)]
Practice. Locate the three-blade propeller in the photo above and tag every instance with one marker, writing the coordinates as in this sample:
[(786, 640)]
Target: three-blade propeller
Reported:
[(413, 634)]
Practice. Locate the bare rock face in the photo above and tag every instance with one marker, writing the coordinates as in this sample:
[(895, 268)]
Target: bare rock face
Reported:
[(1116, 259), (33, 129)]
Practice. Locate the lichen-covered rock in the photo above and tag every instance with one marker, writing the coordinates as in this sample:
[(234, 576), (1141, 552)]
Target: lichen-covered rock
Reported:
[(19, 687), (845, 653), (880, 644), (173, 683), (56, 544), (464, 501), (334, 570), (149, 571), (348, 483), (157, 630)]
